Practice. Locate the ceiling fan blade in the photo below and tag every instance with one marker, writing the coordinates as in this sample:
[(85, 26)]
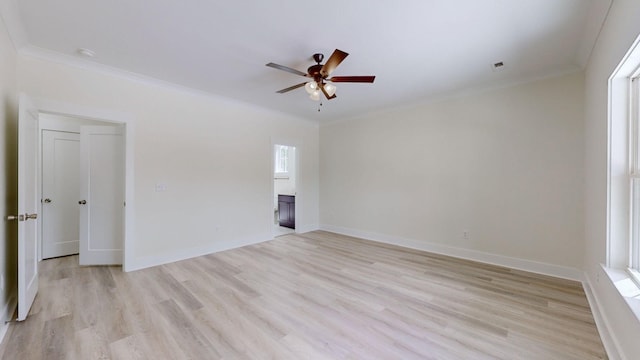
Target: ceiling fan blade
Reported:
[(287, 69), (324, 91), (291, 88), (334, 60), (353, 79)]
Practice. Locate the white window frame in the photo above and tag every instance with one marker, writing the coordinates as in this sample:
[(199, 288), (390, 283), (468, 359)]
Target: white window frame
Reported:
[(623, 163), (634, 175), (281, 165)]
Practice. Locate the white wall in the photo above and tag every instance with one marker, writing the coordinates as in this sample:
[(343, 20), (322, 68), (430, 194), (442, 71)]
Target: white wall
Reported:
[(213, 154), (620, 30), (505, 165), (8, 181)]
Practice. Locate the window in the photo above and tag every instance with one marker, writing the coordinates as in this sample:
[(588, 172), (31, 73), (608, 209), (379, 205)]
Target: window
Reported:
[(282, 159), (623, 179), (623, 233), (634, 173)]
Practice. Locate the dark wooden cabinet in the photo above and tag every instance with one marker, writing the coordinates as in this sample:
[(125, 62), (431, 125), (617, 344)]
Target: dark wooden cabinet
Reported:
[(287, 211)]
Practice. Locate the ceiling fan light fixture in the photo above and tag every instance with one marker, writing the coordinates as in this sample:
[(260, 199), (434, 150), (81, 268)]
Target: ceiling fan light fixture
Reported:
[(318, 83), (311, 86), (330, 89)]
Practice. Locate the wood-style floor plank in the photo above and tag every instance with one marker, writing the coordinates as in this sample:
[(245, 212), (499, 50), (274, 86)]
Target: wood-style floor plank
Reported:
[(317, 295)]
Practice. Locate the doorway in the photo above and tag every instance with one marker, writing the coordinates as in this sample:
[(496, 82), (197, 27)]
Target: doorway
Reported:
[(118, 138), (284, 189), (60, 184)]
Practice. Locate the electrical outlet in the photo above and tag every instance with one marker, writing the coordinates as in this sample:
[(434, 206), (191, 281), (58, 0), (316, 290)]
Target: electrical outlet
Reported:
[(465, 234)]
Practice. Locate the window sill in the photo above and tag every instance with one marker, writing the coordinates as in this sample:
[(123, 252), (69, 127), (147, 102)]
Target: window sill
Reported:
[(626, 286)]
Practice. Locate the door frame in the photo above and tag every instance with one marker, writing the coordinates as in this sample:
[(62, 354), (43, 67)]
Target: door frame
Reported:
[(52, 107), (287, 142), (67, 124)]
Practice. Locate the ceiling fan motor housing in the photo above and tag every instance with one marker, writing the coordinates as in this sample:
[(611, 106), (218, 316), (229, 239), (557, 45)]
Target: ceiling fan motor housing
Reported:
[(314, 72)]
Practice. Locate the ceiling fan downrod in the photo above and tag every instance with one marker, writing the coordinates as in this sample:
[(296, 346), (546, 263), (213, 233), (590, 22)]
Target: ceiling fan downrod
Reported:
[(317, 57)]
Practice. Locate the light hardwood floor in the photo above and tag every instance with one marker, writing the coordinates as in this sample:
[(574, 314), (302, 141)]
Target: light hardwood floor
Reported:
[(312, 296)]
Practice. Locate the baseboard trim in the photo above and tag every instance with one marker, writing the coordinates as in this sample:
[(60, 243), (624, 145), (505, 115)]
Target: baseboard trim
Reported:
[(144, 262), (306, 228), (608, 337), (475, 255), (7, 314)]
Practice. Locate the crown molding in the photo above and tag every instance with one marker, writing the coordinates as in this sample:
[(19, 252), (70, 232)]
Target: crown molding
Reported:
[(92, 66), (11, 17), (392, 111), (598, 12)]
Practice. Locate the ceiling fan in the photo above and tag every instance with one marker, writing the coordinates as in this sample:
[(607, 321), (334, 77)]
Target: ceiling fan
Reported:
[(320, 74)]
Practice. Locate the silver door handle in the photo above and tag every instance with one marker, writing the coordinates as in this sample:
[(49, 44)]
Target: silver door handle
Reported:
[(47, 200), (30, 216), (82, 202)]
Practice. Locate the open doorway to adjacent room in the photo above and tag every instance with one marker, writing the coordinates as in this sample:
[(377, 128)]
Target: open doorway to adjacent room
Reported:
[(284, 189)]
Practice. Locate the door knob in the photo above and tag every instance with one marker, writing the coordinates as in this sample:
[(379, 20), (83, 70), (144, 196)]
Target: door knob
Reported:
[(82, 202), (30, 216), (47, 200)]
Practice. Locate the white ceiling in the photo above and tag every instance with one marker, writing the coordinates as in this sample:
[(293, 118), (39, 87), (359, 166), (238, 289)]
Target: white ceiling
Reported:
[(418, 49)]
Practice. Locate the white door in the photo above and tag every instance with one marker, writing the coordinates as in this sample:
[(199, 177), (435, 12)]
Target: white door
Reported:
[(60, 189), (101, 195), (27, 206)]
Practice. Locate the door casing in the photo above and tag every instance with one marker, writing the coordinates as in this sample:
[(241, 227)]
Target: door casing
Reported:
[(276, 140), (55, 108), (62, 124)]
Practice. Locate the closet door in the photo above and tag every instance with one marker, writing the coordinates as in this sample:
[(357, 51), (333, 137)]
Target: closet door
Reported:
[(101, 195), (60, 191)]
